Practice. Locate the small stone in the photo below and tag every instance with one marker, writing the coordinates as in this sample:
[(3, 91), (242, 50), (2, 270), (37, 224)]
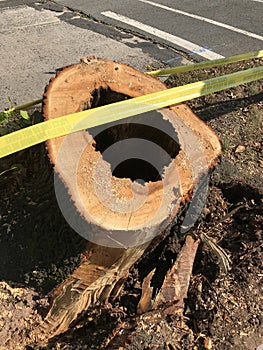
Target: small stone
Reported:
[(240, 149)]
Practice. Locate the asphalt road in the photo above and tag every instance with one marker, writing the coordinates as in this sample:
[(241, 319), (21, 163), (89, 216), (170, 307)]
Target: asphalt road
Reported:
[(29, 33), (207, 29), (35, 42)]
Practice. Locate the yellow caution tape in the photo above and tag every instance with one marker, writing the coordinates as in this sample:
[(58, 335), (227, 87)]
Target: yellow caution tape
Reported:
[(26, 105), (206, 64), (61, 126), (174, 70)]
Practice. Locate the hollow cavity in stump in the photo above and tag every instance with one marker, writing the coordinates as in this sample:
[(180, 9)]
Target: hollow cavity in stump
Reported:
[(136, 168)]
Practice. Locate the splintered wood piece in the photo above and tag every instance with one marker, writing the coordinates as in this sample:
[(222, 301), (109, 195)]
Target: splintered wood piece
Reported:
[(119, 215), (176, 283), (146, 303), (92, 281)]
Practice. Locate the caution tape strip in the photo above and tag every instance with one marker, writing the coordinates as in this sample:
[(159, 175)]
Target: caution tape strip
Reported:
[(24, 106), (174, 70), (206, 64), (61, 126)]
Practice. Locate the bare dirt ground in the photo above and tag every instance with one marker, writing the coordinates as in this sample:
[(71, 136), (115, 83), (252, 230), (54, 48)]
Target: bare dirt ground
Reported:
[(222, 310)]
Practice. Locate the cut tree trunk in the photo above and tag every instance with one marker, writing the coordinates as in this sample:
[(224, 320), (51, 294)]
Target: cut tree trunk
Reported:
[(118, 214)]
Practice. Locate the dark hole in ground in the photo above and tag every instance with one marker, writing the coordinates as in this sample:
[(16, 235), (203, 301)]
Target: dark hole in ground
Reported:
[(137, 148)]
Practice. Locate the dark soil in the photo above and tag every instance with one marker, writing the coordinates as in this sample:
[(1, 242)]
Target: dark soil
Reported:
[(222, 311)]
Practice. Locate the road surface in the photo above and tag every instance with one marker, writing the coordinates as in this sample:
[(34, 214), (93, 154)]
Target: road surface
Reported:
[(207, 29)]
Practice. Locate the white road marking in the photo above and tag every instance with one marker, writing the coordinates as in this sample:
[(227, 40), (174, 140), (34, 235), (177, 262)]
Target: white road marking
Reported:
[(258, 0), (201, 51), (204, 19)]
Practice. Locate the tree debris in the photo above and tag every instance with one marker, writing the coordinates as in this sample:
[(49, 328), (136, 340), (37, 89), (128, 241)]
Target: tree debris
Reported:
[(176, 283)]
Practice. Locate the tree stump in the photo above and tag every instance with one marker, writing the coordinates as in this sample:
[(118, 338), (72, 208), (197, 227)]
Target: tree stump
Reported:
[(126, 179)]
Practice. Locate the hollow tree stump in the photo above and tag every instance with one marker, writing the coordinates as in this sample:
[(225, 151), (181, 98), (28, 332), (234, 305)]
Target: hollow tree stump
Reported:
[(117, 213)]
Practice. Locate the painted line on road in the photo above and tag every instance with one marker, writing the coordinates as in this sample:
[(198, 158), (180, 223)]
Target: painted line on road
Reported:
[(201, 51), (258, 0), (204, 19)]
